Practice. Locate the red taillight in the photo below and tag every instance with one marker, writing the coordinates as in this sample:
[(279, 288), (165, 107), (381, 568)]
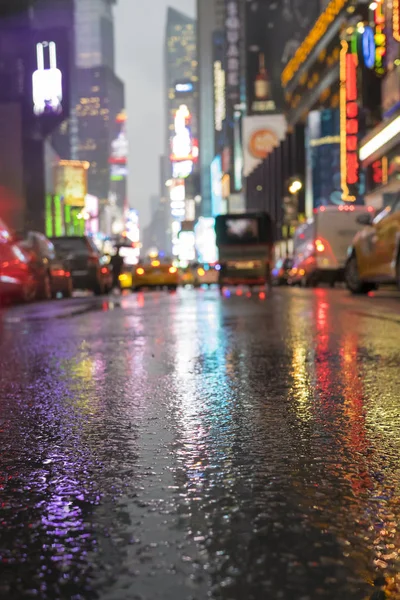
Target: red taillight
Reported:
[(59, 273), (104, 270), (319, 245)]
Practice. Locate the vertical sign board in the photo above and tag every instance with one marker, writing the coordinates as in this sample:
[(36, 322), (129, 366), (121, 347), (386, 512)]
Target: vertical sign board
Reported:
[(220, 76), (349, 123), (233, 42)]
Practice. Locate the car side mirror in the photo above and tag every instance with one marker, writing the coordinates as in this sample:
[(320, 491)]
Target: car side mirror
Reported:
[(365, 219)]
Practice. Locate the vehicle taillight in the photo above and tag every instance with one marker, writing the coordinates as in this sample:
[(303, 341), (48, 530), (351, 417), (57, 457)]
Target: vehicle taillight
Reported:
[(172, 270), (59, 273), (104, 270), (319, 245)]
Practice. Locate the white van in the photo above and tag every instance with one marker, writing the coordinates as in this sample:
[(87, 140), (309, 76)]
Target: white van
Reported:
[(320, 245)]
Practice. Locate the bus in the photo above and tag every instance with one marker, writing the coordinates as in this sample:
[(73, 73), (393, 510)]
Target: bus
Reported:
[(246, 245)]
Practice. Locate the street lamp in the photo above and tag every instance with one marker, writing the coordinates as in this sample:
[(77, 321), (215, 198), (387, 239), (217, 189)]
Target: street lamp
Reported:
[(295, 187)]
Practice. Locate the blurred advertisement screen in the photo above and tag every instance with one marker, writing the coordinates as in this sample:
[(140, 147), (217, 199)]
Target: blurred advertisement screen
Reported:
[(242, 230)]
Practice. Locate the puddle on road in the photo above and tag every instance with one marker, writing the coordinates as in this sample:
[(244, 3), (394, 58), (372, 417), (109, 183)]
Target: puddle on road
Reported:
[(199, 448)]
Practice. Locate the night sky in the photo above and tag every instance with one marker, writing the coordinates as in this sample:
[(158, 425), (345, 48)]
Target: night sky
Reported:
[(139, 29)]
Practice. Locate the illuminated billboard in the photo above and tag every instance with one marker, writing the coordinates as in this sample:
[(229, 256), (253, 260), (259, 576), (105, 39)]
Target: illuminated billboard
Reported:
[(71, 182), (47, 81), (261, 135), (216, 186)]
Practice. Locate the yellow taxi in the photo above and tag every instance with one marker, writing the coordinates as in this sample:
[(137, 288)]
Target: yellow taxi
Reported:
[(187, 276), (374, 257), (207, 275), (154, 274)]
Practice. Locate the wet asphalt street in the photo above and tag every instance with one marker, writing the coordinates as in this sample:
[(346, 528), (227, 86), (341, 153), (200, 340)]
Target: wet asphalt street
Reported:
[(186, 446)]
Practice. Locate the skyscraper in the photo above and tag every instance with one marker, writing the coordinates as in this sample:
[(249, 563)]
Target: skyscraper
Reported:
[(99, 100), (94, 33), (210, 19), (180, 66)]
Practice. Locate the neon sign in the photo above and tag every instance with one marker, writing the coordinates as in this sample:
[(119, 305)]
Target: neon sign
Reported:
[(349, 162), (380, 38), (219, 96), (396, 20), (47, 82), (369, 47), (318, 31)]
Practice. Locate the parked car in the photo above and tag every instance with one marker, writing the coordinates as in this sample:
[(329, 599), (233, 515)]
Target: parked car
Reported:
[(89, 269), (17, 281), (186, 276), (374, 256), (321, 244), (51, 272), (281, 270), (206, 274)]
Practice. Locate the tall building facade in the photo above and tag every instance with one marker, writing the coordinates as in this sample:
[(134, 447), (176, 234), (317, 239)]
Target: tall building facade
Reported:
[(181, 104), (210, 20), (97, 130), (180, 68), (94, 33), (101, 100)]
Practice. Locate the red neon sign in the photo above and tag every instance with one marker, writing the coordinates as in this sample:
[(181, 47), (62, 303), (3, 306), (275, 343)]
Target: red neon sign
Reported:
[(352, 111)]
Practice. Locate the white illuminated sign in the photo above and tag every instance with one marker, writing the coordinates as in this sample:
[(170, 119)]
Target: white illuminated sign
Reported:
[(47, 82), (380, 139), (184, 87), (219, 95), (182, 169), (177, 193)]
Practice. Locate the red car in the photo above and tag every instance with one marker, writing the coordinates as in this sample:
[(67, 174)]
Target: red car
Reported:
[(17, 281)]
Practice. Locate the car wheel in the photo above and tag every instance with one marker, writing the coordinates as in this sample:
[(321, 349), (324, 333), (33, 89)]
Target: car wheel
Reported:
[(352, 278)]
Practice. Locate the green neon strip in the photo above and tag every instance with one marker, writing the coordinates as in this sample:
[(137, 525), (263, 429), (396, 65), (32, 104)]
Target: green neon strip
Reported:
[(58, 222), (49, 215), (67, 217), (354, 43)]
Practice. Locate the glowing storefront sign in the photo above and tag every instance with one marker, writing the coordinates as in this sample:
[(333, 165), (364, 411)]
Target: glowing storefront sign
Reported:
[(380, 139), (318, 31), (219, 95), (47, 82), (349, 162)]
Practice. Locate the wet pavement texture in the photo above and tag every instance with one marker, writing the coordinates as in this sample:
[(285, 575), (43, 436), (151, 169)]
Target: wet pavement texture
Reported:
[(187, 446)]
